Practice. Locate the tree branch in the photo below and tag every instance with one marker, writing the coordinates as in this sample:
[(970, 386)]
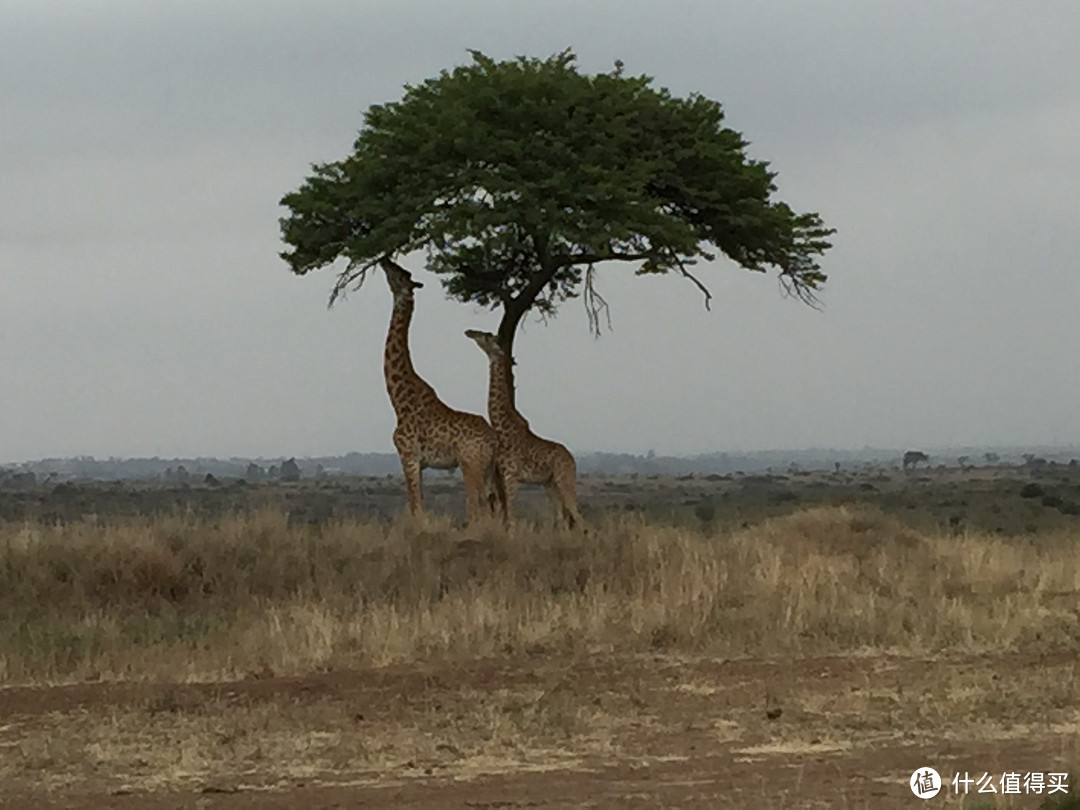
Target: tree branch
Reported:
[(790, 286), (687, 274), (595, 304), (595, 258), (347, 277), (591, 259), (515, 307)]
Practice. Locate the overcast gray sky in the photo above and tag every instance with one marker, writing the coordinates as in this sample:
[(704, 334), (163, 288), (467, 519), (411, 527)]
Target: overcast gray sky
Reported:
[(144, 146)]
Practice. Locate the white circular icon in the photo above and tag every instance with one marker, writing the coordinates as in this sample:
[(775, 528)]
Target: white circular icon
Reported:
[(925, 783)]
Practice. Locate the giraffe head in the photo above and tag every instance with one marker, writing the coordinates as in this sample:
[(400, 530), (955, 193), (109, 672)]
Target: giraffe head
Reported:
[(400, 280), (486, 341)]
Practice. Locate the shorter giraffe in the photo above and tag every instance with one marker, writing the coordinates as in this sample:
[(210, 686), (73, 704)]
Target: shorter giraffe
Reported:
[(429, 432), (524, 456)]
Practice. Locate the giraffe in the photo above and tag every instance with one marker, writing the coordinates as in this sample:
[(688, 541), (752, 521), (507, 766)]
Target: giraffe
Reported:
[(430, 433), (524, 456)]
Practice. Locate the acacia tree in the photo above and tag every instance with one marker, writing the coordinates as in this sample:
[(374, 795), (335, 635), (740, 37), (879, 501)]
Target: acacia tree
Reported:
[(518, 177)]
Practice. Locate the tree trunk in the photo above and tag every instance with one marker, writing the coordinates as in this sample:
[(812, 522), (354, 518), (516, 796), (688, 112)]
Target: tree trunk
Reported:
[(513, 312), (514, 309)]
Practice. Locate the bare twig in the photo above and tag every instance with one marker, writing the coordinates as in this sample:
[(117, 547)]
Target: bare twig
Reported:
[(687, 274), (791, 286), (595, 305), (606, 256), (352, 273)]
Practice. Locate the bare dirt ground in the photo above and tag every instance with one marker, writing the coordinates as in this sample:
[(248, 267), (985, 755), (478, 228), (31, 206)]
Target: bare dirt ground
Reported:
[(544, 731)]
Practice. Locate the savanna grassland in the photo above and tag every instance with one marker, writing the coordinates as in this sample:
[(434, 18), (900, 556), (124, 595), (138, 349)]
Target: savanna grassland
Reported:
[(797, 640)]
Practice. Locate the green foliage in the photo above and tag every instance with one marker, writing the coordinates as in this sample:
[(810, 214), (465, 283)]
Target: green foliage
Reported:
[(1052, 501), (516, 177), (1031, 490)]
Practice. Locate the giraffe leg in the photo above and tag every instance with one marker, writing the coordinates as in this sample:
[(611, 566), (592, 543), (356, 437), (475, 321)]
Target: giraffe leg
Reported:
[(571, 513), (564, 484), (475, 490), (510, 488), (555, 499), (496, 492), (563, 505), (410, 465)]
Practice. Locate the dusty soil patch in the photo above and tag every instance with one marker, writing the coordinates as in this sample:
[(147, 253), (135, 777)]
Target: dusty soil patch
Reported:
[(640, 731)]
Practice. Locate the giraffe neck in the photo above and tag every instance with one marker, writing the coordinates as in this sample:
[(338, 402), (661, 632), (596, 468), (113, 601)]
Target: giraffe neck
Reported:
[(402, 381), (501, 411)]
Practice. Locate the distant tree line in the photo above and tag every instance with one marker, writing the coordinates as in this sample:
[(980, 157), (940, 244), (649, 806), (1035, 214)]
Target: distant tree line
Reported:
[(196, 470)]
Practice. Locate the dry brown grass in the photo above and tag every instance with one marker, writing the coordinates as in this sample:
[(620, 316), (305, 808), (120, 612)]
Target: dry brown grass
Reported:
[(185, 599), (167, 743), (561, 716), (828, 634)]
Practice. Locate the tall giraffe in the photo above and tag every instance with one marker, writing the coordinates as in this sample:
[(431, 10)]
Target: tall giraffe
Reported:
[(430, 433), (524, 456)]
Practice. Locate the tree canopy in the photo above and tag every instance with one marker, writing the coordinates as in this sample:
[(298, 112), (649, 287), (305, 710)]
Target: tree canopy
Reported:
[(517, 177)]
